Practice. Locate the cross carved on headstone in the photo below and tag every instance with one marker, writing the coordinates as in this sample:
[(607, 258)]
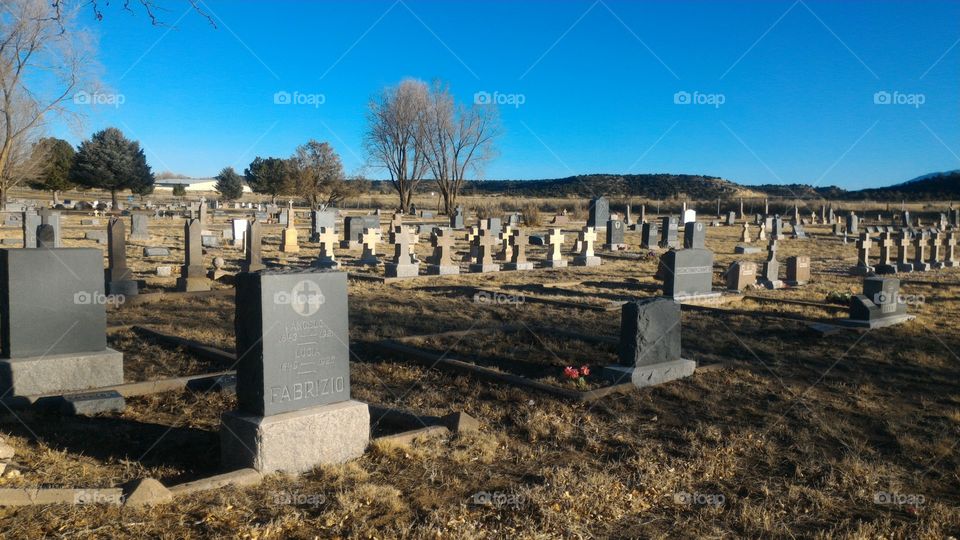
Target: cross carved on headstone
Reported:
[(555, 242), (587, 237), (442, 242), (370, 238), (518, 245), (401, 239), (327, 238)]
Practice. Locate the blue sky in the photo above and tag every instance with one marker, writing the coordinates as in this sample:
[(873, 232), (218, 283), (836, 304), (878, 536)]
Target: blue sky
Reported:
[(768, 91)]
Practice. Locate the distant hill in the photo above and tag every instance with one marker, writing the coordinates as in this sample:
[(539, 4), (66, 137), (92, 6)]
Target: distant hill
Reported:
[(936, 187)]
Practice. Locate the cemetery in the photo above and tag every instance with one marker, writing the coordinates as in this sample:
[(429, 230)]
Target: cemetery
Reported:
[(260, 280)]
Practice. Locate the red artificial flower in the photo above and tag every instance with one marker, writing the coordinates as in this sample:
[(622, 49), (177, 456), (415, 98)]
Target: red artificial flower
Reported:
[(584, 370), (571, 372)]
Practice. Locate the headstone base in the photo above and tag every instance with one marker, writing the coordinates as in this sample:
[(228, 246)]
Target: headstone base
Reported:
[(745, 250), (883, 269), (771, 284), (518, 266), (941, 264), (792, 283), (335, 265), (907, 267), (349, 244), (642, 376), (562, 263), (60, 373), (369, 261), (127, 287), (193, 284), (861, 270), (482, 268), (586, 261), (401, 270), (252, 267), (442, 270), (614, 247), (880, 322), (921, 267), (295, 441), (288, 248)]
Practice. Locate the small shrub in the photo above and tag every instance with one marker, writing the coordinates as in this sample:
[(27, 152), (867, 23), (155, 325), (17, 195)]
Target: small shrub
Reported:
[(531, 215)]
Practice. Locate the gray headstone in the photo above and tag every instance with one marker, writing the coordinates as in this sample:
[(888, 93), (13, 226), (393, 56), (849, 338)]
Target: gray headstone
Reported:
[(649, 332), (687, 272), (694, 235), (615, 233), (599, 213)]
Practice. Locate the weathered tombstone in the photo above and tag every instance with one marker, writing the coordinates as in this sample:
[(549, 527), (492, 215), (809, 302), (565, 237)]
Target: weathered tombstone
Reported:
[(776, 230), (485, 246), (694, 235), (648, 235), (53, 322), (745, 233), (456, 220), (46, 236), (862, 268), (353, 227), (798, 270), (689, 216), (688, 273), (327, 237), (587, 257), (403, 263), (139, 226), (294, 410), (209, 241), (51, 218), (771, 268), (516, 255), (950, 250), (920, 242), (193, 276), (30, 223), (853, 223), (649, 347), (669, 232), (615, 235), (321, 219), (369, 239), (504, 241), (253, 260), (440, 262), (118, 276), (554, 243), (202, 212), (798, 232), (643, 213), (887, 244), (493, 225), (731, 218), (628, 220), (936, 240), (239, 227), (599, 213), (99, 236), (289, 239), (762, 232), (740, 275), (880, 304)]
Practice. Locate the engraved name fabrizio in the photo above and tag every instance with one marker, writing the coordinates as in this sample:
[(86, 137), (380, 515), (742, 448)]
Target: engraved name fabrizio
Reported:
[(306, 389)]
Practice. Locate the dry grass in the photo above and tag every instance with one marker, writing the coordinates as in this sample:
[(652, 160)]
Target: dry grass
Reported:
[(795, 437)]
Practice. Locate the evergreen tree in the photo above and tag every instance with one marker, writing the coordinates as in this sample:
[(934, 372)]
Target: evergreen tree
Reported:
[(110, 161), (229, 184), (270, 176), (179, 190), (55, 157)]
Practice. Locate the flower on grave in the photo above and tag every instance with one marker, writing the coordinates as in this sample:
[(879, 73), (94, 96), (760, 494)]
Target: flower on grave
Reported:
[(584, 370), (571, 372)]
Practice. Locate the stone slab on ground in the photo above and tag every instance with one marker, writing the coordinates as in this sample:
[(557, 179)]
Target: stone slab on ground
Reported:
[(90, 403), (295, 441), (652, 374), (61, 372)]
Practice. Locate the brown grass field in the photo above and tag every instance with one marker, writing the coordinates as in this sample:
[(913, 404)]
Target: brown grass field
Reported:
[(794, 435)]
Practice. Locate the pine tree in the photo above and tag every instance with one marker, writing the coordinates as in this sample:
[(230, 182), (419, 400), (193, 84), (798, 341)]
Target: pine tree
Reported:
[(229, 184), (110, 161), (270, 176), (55, 157)]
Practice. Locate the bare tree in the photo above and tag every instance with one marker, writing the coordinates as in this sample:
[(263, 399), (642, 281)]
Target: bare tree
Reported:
[(44, 59), (319, 174), (395, 125), (456, 139)]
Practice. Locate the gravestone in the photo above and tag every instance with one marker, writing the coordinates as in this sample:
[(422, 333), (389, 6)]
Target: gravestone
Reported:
[(193, 276), (51, 218), (887, 244), (920, 242), (403, 263), (880, 304), (688, 272), (776, 232), (745, 233), (209, 241), (798, 232), (493, 225), (853, 223), (694, 235), (289, 239), (46, 237), (294, 410), (99, 236), (156, 252), (798, 270), (30, 223), (587, 257), (321, 219), (770, 277), (554, 243), (504, 242), (440, 262), (327, 237), (731, 218), (936, 241), (862, 268), (202, 213), (648, 235), (483, 262), (599, 213), (669, 232), (649, 349), (689, 216), (353, 227), (369, 240), (615, 235), (516, 254), (456, 220), (118, 277), (239, 227), (139, 226), (740, 275), (53, 322)]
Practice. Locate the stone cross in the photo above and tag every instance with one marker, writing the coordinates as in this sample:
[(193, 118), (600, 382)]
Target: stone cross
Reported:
[(935, 240), (193, 276), (251, 240), (484, 243), (762, 234), (950, 249), (587, 238), (327, 238), (369, 238), (401, 239), (555, 242), (442, 242), (472, 233), (504, 240), (745, 235), (920, 243), (886, 248), (903, 243), (864, 243), (518, 245)]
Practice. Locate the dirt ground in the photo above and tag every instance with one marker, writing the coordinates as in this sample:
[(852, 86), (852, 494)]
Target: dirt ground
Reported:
[(852, 435)]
